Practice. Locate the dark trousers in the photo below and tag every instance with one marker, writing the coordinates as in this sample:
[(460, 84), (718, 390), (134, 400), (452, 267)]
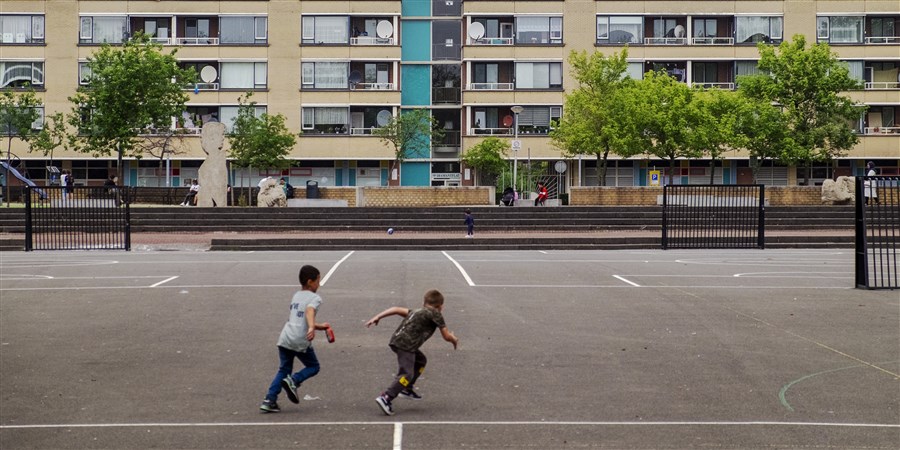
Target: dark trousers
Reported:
[(412, 364), (286, 366)]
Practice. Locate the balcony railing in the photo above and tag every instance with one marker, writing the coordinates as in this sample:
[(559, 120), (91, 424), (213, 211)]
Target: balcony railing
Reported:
[(666, 41), (881, 130), (371, 40), (883, 40), (491, 86), (190, 131), (492, 41), (372, 87), (197, 41), (712, 41), (876, 85), (724, 86), (445, 95), (202, 87), (491, 131), (362, 131)]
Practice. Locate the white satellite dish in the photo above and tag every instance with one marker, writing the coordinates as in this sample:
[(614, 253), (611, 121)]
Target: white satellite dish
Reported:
[(476, 30), (208, 74), (384, 29), (383, 117)]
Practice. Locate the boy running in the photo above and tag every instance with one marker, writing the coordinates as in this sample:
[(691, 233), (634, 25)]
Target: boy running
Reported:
[(418, 325)]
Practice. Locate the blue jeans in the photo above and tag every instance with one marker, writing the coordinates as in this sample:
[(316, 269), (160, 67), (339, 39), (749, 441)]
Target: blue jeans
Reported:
[(310, 369)]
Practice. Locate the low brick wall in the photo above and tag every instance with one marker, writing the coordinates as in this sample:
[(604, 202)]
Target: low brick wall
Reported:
[(332, 193), (425, 196), (647, 195)]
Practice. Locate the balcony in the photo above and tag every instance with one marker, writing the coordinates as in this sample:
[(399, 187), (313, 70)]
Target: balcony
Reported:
[(490, 86), (491, 41), (372, 87), (504, 131), (192, 41), (665, 41), (881, 131), (712, 41), (371, 40)]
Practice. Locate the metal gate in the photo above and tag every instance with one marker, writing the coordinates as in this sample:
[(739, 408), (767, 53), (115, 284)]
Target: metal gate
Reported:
[(877, 232), (82, 218), (726, 216)]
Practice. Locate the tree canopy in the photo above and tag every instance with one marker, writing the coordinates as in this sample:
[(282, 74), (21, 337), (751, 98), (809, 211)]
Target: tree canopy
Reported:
[(487, 157), (18, 111), (805, 83), (261, 140), (131, 88), (410, 133)]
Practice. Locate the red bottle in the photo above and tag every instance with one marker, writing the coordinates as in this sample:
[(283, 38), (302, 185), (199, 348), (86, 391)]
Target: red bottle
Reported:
[(329, 334)]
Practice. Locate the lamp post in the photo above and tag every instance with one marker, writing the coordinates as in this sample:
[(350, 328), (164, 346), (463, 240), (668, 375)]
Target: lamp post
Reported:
[(516, 144)]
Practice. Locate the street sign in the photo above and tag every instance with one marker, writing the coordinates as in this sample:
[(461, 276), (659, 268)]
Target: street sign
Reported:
[(516, 144)]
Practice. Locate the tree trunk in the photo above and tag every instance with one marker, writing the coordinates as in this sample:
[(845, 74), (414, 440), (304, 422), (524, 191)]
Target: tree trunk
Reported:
[(602, 165), (712, 171), (671, 171)]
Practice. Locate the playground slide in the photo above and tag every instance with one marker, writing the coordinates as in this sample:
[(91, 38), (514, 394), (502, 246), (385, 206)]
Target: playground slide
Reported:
[(17, 174)]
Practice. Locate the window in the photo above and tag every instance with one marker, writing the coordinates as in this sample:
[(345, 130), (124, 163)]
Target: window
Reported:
[(539, 75), (857, 70), (325, 120), (840, 29), (538, 30), (753, 29), (21, 29), (227, 114), (635, 70), (84, 74), (20, 74), (325, 75), (36, 125), (103, 29), (620, 30), (537, 119), (243, 30), (325, 30), (243, 75)]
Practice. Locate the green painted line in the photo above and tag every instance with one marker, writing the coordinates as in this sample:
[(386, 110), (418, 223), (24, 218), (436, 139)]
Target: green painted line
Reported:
[(784, 389)]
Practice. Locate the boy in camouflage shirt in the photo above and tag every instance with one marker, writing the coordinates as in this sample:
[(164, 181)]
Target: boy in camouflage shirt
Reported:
[(418, 325)]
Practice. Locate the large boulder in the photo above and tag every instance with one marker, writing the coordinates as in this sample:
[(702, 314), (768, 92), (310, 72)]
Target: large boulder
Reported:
[(213, 172), (841, 191), (270, 193)]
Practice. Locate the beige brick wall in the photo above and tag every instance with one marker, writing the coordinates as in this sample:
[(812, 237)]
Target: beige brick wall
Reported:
[(332, 193), (643, 196), (425, 196)]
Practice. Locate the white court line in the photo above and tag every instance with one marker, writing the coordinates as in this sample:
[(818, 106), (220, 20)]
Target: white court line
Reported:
[(629, 282), (488, 423), (541, 251), (164, 281), (398, 436), (577, 286), (461, 270), (333, 268)]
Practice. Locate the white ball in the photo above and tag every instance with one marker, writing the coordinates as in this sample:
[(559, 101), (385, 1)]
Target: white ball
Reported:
[(390, 231)]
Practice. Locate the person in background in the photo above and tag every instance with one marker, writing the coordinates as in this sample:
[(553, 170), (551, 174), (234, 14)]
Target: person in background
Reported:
[(869, 188), (542, 194), (191, 198)]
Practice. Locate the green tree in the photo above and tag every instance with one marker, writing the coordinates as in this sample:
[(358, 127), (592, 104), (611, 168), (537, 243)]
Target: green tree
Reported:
[(52, 136), (261, 141), (805, 83), (410, 133), (487, 157), (131, 88), (658, 119), (18, 111), (760, 129), (716, 126), (590, 122)]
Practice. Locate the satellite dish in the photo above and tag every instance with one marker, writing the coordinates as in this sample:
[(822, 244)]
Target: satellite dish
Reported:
[(355, 77), (507, 121), (476, 30), (208, 74), (384, 29), (679, 31), (383, 117)]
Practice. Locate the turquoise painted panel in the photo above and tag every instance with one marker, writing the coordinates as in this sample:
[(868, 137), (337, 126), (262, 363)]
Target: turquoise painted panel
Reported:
[(415, 41), (416, 85), (131, 178), (351, 177), (642, 177), (421, 8), (726, 176), (384, 177), (338, 177), (415, 174)]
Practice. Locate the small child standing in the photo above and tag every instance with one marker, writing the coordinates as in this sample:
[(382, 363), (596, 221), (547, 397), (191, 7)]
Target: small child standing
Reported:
[(418, 325), (295, 341), (470, 224)]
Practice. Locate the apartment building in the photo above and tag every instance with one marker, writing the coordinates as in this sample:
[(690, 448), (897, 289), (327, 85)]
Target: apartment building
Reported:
[(339, 69)]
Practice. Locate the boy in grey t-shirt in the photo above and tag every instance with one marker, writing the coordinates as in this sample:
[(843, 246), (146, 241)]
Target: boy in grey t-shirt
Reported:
[(418, 325), (295, 341)]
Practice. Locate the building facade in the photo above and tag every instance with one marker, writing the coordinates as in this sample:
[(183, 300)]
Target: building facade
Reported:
[(339, 69)]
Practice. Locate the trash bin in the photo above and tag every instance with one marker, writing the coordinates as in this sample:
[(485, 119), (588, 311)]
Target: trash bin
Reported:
[(312, 189)]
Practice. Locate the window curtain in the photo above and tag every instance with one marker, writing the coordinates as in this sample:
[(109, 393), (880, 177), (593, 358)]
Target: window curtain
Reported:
[(525, 75), (747, 26), (14, 73), (746, 68), (15, 28), (635, 70), (857, 69), (332, 30), (624, 29), (332, 75), (237, 75), (532, 30), (227, 114), (846, 29), (332, 116), (109, 29), (237, 30)]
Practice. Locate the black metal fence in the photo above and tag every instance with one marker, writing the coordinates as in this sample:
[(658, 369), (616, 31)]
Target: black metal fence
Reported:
[(726, 216), (82, 218), (877, 232)]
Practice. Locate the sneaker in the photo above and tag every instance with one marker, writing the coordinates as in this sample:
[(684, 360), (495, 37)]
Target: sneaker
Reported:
[(269, 406), (410, 394), (290, 389), (385, 404)]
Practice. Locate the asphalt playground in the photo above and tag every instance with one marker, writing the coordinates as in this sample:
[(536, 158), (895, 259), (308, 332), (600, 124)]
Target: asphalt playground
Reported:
[(558, 350)]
